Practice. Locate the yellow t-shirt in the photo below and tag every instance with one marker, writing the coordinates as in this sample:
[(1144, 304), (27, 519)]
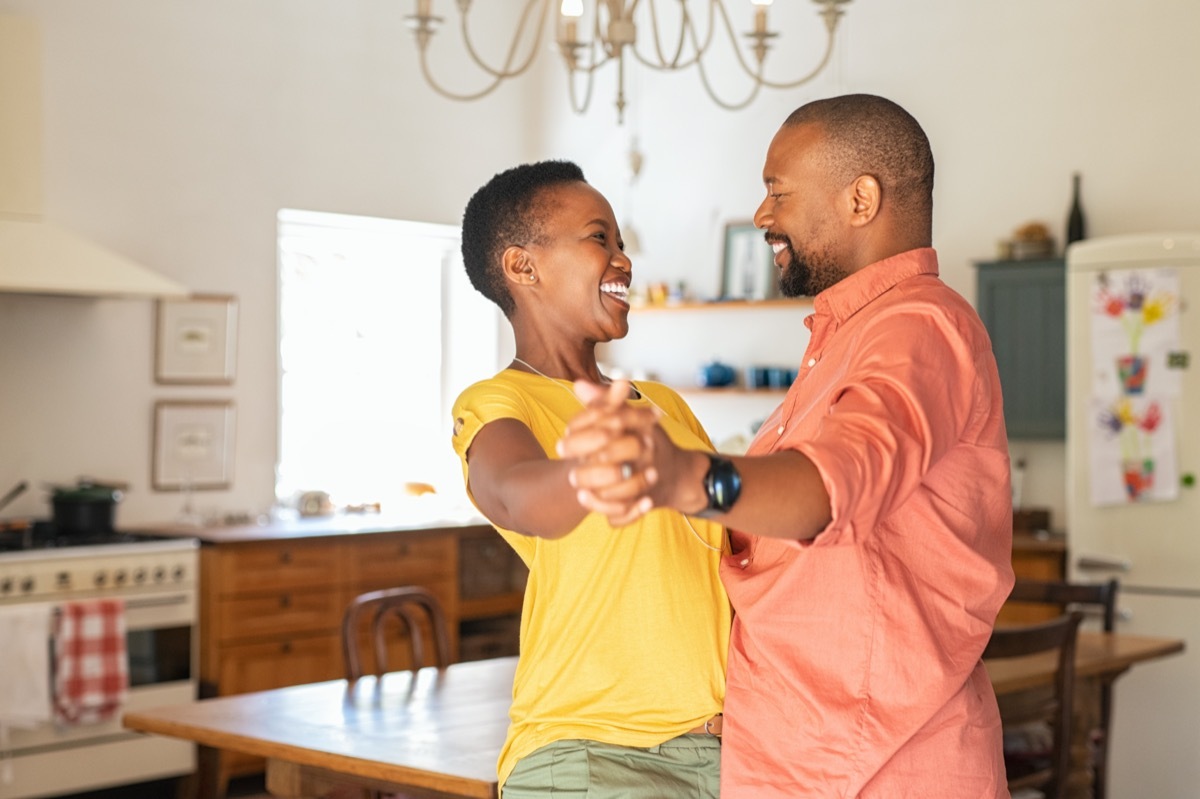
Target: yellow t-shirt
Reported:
[(624, 631)]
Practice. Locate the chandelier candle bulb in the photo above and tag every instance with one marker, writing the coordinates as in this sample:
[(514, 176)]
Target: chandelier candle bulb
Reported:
[(424, 7), (571, 11), (760, 15)]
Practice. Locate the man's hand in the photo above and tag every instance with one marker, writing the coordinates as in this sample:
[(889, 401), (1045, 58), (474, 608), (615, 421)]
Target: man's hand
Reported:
[(614, 444)]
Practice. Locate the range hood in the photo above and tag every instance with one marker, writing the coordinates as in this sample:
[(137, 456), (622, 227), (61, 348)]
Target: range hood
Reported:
[(37, 257), (41, 258)]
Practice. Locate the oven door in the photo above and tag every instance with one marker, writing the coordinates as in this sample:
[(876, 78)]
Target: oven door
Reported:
[(162, 645)]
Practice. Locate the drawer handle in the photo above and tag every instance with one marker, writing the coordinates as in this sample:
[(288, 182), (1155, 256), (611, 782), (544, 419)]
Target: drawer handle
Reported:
[(404, 549), (285, 601), (285, 557), (286, 647)]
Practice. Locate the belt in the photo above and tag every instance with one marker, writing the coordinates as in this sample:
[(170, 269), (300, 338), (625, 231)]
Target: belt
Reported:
[(711, 727)]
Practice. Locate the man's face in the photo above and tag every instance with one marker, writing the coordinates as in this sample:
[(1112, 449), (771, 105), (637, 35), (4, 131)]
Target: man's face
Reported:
[(800, 213)]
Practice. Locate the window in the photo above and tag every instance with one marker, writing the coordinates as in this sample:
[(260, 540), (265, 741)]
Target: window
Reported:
[(378, 332)]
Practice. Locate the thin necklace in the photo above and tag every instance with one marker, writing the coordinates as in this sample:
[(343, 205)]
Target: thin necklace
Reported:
[(644, 396)]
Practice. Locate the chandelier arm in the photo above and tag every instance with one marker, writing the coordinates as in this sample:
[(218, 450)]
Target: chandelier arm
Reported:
[(507, 71), (673, 63), (454, 95), (770, 84), (433, 84), (587, 97), (737, 106)]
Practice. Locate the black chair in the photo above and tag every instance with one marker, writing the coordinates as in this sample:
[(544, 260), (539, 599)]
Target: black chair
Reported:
[(1093, 599), (1045, 771), (411, 605)]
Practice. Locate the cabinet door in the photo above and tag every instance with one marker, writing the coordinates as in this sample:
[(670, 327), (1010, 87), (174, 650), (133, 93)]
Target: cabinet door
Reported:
[(289, 661), (1023, 306)]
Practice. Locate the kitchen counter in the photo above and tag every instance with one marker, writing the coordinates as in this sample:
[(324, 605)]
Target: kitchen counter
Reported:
[(341, 524)]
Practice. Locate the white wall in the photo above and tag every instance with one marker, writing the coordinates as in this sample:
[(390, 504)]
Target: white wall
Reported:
[(175, 131), (1014, 96)]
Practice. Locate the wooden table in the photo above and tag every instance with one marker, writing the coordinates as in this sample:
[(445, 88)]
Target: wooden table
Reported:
[(439, 734), (429, 734), (1099, 658)]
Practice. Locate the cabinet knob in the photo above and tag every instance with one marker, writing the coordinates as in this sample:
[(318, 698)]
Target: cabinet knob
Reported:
[(403, 549), (285, 601), (285, 556), (286, 647)]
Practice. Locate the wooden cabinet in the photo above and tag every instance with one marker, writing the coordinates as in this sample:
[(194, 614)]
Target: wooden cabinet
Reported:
[(491, 582), (271, 606), (1023, 306)]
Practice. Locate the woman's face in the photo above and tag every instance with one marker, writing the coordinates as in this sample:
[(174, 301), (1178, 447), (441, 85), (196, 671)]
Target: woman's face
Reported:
[(582, 272)]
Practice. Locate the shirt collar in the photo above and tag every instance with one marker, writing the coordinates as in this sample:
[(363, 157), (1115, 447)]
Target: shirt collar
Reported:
[(853, 293)]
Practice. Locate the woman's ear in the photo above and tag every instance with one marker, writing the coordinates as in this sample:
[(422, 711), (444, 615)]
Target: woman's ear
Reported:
[(517, 264), (865, 196)]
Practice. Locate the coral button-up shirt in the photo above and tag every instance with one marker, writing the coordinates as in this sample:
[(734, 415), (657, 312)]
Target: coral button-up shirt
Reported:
[(854, 666)]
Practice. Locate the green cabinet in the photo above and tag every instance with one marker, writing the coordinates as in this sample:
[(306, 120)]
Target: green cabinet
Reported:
[(1023, 306)]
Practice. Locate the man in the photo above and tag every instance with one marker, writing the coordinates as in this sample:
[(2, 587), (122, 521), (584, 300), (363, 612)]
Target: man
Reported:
[(871, 519)]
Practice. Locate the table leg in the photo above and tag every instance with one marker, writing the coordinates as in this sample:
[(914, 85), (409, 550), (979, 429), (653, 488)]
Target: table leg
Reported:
[(1084, 718)]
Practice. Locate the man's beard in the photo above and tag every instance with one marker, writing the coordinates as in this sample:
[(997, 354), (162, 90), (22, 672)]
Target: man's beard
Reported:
[(808, 277)]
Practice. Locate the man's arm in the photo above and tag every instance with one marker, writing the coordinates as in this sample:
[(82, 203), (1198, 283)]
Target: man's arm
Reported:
[(782, 494)]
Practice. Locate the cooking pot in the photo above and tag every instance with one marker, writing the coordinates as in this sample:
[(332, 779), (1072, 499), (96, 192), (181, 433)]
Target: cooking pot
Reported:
[(85, 507)]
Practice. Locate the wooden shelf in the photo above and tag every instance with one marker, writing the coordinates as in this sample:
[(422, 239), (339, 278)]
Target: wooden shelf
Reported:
[(728, 305)]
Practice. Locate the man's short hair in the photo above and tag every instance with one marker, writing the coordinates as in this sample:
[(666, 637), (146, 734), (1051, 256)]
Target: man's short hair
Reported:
[(508, 211), (871, 135)]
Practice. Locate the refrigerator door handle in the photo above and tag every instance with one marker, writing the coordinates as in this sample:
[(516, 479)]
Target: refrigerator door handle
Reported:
[(1108, 563)]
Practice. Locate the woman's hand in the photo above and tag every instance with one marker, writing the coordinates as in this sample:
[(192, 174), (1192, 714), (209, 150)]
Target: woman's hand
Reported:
[(614, 444)]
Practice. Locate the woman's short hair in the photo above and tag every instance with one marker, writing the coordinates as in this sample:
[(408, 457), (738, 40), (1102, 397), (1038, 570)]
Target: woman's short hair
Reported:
[(507, 211)]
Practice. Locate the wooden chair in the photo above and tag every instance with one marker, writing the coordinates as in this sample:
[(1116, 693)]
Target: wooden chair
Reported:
[(410, 604), (1047, 773), (1101, 600)]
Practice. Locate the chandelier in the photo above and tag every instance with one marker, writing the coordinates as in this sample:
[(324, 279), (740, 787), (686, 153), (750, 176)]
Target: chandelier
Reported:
[(614, 27)]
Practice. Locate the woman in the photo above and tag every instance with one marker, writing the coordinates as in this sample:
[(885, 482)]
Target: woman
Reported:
[(624, 630)]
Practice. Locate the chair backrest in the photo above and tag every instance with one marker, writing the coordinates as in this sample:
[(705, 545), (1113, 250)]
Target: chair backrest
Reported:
[(1098, 597), (410, 604), (1054, 707)]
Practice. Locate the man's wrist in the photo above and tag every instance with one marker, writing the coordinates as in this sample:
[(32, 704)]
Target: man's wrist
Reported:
[(722, 486)]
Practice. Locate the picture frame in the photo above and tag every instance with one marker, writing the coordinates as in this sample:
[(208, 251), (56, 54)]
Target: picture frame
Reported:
[(748, 269), (192, 445), (196, 340)]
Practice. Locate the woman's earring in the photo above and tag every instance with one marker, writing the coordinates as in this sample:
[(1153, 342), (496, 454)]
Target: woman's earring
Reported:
[(532, 278)]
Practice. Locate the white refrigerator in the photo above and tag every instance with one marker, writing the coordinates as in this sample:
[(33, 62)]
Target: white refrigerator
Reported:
[(1133, 509)]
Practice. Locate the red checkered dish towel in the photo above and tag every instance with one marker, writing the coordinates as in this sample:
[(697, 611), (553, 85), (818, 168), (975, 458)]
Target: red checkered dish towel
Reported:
[(91, 669)]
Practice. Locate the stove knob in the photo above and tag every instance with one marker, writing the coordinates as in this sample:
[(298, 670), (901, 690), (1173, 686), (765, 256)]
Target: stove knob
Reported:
[(119, 577), (139, 576), (160, 574), (62, 580), (177, 573), (100, 579), (6, 585), (27, 585)]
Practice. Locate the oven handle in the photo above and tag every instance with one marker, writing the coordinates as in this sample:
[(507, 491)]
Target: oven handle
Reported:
[(156, 601)]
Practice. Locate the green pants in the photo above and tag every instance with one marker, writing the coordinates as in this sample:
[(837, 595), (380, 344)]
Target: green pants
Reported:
[(687, 767)]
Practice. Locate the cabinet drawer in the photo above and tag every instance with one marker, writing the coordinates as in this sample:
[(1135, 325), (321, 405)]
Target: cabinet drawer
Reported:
[(272, 566), (392, 560), (280, 613)]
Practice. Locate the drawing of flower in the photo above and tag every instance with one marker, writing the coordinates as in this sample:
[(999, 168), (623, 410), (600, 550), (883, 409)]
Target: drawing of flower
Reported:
[(1133, 431)]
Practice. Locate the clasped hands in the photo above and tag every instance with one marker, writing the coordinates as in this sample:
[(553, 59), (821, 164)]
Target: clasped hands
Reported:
[(621, 453)]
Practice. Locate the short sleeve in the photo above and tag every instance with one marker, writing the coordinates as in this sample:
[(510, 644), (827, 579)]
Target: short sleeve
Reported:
[(481, 403)]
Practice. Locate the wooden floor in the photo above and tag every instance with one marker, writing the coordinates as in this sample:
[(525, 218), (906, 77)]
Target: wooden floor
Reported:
[(244, 788)]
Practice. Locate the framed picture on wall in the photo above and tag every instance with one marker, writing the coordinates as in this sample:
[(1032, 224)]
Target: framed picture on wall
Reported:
[(748, 269), (196, 340), (193, 445)]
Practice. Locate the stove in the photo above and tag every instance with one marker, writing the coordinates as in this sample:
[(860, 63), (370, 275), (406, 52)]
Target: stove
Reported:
[(157, 578)]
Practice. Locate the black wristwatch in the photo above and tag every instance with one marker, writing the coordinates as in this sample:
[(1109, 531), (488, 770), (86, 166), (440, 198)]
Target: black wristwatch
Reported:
[(722, 485)]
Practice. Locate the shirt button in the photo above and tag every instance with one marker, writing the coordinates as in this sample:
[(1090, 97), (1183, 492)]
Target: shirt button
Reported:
[(780, 430), (812, 362)]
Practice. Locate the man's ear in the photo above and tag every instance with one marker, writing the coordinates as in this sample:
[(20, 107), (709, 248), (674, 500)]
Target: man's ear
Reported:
[(865, 195), (517, 265)]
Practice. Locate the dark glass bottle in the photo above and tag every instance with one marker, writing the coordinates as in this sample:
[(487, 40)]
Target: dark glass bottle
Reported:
[(1076, 223)]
